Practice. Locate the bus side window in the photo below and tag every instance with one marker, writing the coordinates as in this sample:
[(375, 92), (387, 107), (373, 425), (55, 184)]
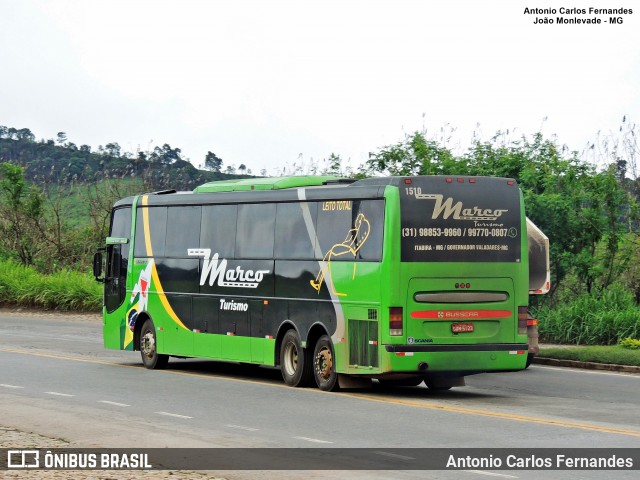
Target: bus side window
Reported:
[(292, 236), (183, 230), (256, 230), (157, 224), (351, 230), (218, 230), (373, 211)]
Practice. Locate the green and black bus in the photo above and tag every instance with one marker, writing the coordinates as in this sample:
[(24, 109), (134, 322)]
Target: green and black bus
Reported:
[(336, 281)]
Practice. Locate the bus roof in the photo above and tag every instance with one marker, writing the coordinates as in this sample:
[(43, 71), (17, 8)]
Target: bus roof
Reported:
[(247, 184), (282, 189)]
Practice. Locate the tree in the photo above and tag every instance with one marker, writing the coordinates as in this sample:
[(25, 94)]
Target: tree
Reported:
[(165, 154), (25, 134), (61, 138), (334, 165), (582, 211), (212, 162), (112, 149), (242, 168), (415, 155), (20, 212)]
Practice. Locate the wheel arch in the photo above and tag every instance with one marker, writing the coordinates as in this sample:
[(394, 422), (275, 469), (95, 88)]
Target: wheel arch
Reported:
[(284, 327), (316, 331), (140, 319)]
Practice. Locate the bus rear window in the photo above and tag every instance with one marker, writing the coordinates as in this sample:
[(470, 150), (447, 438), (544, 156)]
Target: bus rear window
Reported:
[(460, 219)]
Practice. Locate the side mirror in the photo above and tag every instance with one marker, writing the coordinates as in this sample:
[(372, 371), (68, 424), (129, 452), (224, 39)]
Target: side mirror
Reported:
[(97, 265)]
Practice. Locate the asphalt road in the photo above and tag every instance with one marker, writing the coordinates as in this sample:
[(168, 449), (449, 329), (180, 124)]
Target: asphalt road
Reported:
[(57, 380)]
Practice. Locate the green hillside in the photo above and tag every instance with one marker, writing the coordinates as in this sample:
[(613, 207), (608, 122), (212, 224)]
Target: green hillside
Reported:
[(46, 163)]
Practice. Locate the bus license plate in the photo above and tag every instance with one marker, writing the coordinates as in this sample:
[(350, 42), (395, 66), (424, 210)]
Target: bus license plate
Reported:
[(462, 327)]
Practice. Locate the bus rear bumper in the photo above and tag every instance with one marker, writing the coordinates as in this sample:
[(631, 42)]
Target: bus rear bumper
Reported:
[(425, 359)]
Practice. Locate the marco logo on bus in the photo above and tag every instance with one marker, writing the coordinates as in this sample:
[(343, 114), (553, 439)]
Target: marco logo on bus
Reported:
[(216, 269), (447, 208)]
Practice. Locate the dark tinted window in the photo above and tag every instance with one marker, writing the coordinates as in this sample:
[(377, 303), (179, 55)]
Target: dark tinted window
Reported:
[(117, 261), (373, 212), (121, 223), (256, 228), (157, 231), (351, 230), (183, 230), (219, 229), (292, 239), (333, 227), (121, 228)]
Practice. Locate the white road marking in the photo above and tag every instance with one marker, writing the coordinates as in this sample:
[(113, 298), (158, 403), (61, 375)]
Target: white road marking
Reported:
[(60, 394), (490, 474), (586, 370), (167, 414), (9, 386), (394, 455), (313, 440), (240, 427), (117, 404)]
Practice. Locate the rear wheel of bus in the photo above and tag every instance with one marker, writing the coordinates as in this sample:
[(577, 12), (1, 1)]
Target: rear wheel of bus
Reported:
[(295, 363), (324, 369), (149, 347)]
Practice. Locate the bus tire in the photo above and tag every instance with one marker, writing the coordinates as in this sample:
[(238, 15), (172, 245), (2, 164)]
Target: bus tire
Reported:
[(295, 364), (437, 386), (404, 382), (151, 359), (530, 357), (324, 367)]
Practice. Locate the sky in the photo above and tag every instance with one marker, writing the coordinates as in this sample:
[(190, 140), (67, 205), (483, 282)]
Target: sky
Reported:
[(281, 83)]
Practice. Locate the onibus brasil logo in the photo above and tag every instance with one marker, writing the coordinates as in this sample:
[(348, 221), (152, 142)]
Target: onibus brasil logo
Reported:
[(214, 268)]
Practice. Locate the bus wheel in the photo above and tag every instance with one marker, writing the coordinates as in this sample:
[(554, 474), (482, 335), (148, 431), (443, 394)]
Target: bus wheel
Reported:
[(404, 382), (294, 363), (434, 386), (148, 347), (324, 368), (529, 360)]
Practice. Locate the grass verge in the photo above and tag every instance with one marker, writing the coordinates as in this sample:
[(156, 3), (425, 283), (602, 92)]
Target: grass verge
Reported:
[(592, 319), (65, 290), (599, 354)]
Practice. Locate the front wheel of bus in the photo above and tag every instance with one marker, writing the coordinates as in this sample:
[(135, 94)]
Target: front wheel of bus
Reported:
[(324, 368), (149, 348), (294, 361)]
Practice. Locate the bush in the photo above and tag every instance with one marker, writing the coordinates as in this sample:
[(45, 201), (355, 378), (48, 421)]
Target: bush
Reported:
[(65, 290), (630, 343), (596, 319)]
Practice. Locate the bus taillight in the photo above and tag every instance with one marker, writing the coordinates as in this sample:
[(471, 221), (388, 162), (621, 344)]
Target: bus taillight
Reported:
[(395, 321)]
